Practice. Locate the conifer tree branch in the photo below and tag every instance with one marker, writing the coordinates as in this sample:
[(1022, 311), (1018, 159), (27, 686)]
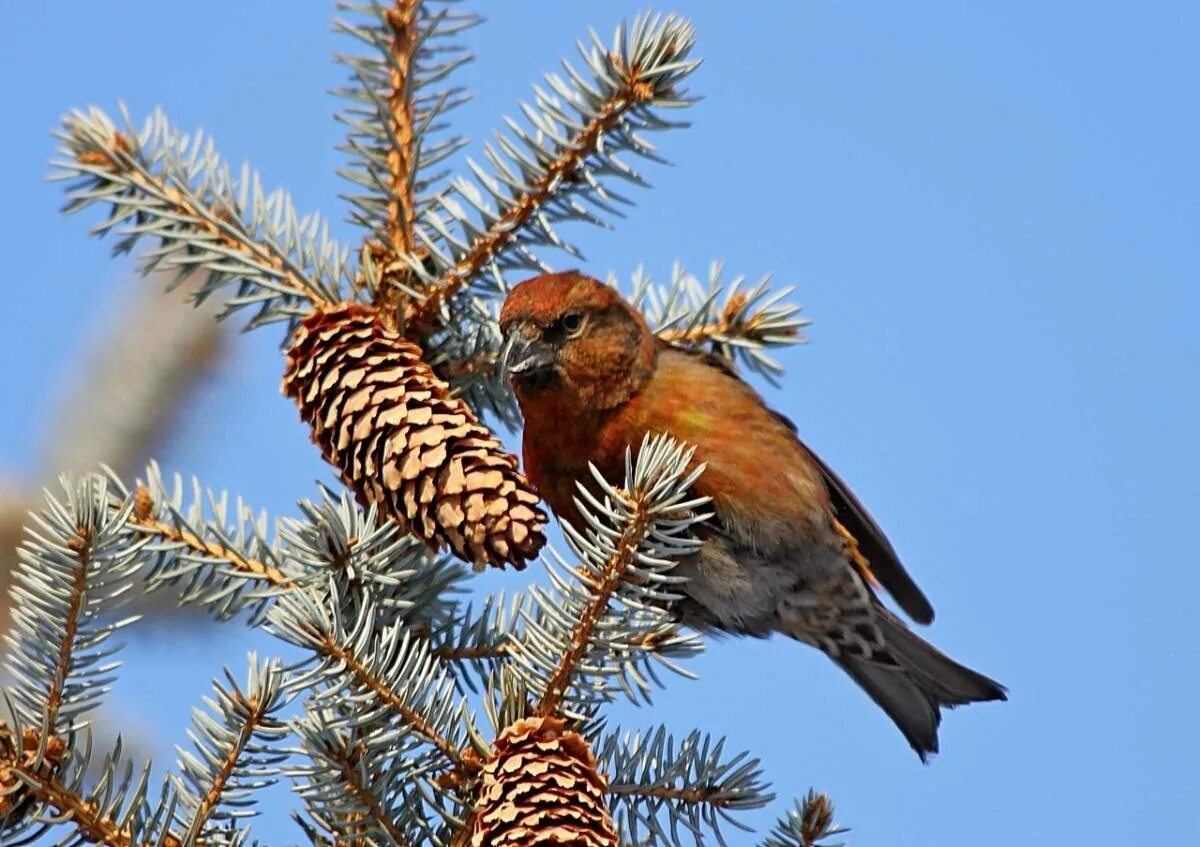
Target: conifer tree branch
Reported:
[(76, 567), (254, 715), (461, 762), (173, 187), (143, 517), (735, 321), (235, 753), (210, 222), (93, 827), (353, 783), (810, 823), (602, 592), (658, 784), (604, 625), (212, 553), (401, 49), (557, 172), (29, 778), (81, 546)]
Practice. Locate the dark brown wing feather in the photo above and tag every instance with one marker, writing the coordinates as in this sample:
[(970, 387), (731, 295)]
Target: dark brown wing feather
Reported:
[(872, 543)]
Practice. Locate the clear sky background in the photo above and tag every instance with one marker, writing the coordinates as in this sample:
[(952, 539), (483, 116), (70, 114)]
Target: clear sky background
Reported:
[(990, 213)]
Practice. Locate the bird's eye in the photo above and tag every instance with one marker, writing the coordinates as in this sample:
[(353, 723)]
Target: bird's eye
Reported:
[(572, 322)]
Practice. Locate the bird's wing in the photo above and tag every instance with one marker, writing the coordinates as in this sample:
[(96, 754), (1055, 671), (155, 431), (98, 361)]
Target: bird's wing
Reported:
[(883, 562)]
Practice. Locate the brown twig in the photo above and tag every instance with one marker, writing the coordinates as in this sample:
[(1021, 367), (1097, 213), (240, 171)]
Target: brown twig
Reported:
[(143, 517), (466, 654), (401, 51), (255, 712), (30, 762), (353, 783), (611, 578), (401, 205), (82, 547), (462, 762), (731, 323)]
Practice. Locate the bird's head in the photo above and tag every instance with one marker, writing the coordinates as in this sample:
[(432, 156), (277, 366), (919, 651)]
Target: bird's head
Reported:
[(575, 339)]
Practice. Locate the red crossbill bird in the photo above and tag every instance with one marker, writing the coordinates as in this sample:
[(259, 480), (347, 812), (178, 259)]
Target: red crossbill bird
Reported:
[(789, 548)]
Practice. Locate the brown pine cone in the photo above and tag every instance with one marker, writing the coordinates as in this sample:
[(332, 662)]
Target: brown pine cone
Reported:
[(388, 423), (541, 788)]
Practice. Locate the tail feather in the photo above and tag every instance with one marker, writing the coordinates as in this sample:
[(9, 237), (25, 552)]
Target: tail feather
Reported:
[(922, 681), (951, 683)]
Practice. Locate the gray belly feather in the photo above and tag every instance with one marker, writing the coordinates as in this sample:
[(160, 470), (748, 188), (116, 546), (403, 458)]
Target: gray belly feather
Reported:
[(736, 587)]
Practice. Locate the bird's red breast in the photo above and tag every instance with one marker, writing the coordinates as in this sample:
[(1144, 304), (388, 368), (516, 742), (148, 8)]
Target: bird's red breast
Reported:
[(756, 470)]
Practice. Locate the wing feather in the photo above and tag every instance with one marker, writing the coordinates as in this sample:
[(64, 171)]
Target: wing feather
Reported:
[(883, 561)]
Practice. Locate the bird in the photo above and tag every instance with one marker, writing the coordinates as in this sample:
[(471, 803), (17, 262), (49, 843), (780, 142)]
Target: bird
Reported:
[(789, 549)]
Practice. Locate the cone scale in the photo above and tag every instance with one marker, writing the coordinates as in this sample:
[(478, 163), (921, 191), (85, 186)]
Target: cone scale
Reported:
[(541, 787)]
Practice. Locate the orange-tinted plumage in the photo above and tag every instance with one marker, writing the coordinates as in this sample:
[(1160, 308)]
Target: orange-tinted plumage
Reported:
[(790, 548)]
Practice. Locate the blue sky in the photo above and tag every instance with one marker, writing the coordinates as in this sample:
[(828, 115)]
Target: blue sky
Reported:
[(990, 213)]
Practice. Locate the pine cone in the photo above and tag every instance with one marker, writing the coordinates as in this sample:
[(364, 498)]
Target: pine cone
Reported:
[(541, 787), (389, 424)]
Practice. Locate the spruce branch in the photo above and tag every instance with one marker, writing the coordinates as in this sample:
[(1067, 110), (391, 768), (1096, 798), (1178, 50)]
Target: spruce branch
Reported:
[(397, 102), (386, 668), (469, 645), (608, 619), (809, 824), (113, 807), (236, 752), (380, 569), (90, 826), (401, 50), (366, 679), (734, 321), (375, 820), (173, 187), (585, 627), (76, 568), (355, 792), (221, 557), (659, 785), (397, 99), (215, 555), (559, 170)]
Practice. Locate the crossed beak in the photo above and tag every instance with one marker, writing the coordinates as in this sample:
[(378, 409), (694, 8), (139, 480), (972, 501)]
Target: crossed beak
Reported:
[(524, 352)]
